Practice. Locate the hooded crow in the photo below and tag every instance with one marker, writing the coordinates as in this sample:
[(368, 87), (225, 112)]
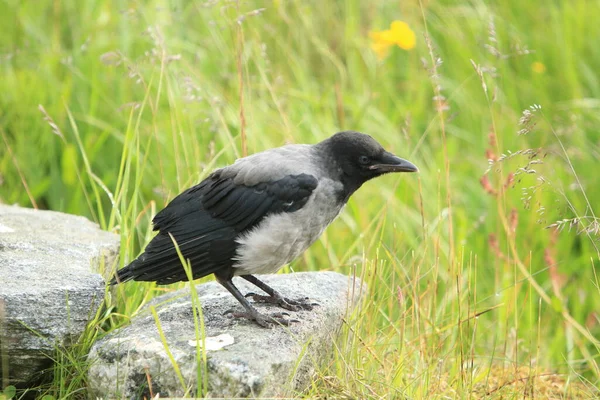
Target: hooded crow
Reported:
[(258, 214)]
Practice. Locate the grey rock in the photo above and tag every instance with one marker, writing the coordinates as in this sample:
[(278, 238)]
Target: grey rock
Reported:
[(49, 285), (258, 362)]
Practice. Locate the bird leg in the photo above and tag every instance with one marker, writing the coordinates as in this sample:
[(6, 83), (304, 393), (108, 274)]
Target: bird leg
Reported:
[(274, 297), (251, 313)]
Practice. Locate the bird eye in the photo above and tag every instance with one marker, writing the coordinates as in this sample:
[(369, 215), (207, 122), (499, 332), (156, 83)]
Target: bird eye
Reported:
[(364, 160)]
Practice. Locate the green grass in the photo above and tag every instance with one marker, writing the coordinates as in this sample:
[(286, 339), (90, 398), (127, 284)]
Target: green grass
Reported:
[(472, 294)]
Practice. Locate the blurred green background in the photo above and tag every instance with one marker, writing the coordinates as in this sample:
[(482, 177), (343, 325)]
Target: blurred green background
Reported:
[(482, 267)]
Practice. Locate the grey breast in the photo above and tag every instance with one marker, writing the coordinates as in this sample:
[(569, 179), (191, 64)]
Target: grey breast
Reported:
[(281, 238)]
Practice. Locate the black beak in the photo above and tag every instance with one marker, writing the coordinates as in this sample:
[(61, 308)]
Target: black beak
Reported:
[(390, 163)]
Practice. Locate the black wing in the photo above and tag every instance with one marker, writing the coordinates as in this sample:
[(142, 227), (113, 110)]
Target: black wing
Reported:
[(206, 219)]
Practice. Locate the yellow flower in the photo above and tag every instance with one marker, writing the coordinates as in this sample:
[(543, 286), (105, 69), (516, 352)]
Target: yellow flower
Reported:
[(538, 67), (399, 34), (379, 46)]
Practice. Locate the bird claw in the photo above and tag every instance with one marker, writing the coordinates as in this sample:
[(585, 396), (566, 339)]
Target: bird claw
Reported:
[(302, 303), (266, 321), (288, 304)]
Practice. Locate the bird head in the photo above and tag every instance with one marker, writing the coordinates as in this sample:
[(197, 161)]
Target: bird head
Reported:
[(359, 158)]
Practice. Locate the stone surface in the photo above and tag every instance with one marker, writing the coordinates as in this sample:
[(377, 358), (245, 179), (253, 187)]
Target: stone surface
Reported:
[(49, 286), (253, 361)]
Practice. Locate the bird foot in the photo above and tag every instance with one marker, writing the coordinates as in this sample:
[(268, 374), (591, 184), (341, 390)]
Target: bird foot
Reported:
[(266, 321), (289, 304)]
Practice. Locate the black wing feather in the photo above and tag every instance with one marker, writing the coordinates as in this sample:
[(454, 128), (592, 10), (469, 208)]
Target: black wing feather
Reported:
[(205, 221)]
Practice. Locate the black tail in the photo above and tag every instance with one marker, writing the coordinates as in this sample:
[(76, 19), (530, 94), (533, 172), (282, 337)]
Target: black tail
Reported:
[(123, 275)]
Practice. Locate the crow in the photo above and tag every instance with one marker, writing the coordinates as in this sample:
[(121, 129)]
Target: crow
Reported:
[(258, 214)]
